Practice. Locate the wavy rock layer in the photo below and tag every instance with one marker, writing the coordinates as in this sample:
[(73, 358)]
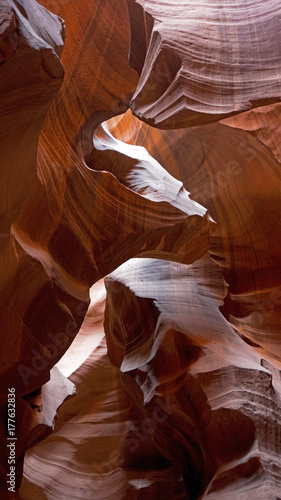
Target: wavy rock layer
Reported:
[(237, 177), (99, 441), (202, 61), (193, 340), (186, 355), (70, 225)]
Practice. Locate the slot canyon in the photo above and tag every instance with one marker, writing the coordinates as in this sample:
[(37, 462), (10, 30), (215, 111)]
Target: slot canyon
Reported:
[(140, 243)]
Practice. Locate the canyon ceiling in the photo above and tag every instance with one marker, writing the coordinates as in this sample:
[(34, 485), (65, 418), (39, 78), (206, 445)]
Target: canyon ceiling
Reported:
[(140, 243)]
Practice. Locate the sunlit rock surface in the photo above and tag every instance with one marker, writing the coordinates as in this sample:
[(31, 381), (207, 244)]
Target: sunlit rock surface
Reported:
[(187, 356), (199, 61), (232, 169), (178, 394)]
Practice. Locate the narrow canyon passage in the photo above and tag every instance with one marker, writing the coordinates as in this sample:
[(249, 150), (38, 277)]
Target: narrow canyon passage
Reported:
[(140, 242)]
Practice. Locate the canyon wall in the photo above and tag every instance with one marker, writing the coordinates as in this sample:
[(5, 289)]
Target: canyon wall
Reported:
[(140, 146)]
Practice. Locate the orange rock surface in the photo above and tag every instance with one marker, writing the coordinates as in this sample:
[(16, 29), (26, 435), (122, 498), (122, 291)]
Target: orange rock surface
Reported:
[(140, 144)]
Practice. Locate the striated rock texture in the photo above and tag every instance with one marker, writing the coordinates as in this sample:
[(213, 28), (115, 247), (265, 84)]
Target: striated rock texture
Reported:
[(231, 168), (199, 61), (200, 369), (140, 141)]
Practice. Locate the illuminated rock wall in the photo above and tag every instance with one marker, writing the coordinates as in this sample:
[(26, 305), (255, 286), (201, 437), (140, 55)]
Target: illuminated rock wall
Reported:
[(140, 141)]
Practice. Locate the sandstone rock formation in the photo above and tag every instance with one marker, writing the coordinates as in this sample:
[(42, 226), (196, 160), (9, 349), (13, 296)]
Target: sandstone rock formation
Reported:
[(140, 142)]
